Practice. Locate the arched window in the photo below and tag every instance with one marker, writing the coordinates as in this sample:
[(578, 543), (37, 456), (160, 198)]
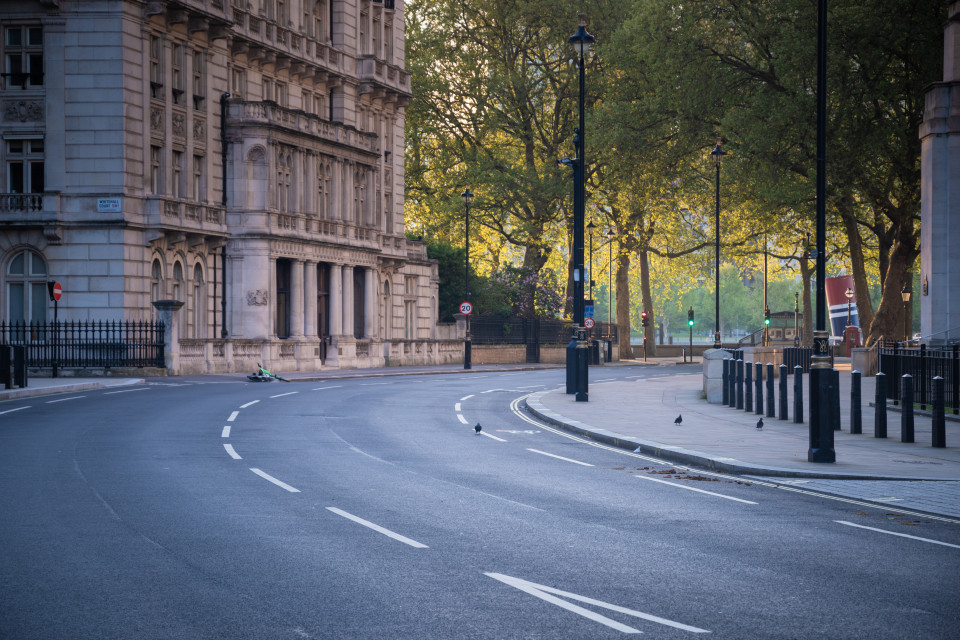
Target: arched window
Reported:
[(27, 295), (177, 279), (156, 281), (386, 309), (199, 303)]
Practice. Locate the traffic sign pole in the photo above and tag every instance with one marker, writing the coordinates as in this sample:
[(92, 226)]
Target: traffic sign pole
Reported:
[(56, 292)]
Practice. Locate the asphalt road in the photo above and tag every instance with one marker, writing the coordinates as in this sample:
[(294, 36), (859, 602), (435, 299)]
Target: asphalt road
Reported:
[(369, 508)]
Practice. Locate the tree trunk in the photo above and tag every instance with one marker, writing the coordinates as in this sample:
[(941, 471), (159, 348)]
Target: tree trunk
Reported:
[(805, 274), (623, 305), (855, 241)]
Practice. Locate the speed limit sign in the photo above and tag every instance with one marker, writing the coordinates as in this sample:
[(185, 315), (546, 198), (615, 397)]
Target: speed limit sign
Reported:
[(466, 308), (588, 323)]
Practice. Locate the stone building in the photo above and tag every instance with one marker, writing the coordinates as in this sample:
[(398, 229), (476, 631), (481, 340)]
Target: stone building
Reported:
[(243, 157)]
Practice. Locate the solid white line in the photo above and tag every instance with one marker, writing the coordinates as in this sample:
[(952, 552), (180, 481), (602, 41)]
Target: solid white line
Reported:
[(226, 432), (285, 394), (249, 404), (544, 453), (902, 535), (543, 591), (680, 486), (12, 410), (484, 433), (233, 416), (456, 407), (462, 419), (230, 450), (466, 397), (110, 393), (65, 399), (269, 478), (378, 528), (336, 386)]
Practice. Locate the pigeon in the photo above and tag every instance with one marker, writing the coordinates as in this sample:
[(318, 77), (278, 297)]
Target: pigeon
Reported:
[(678, 420), (760, 423), (477, 428)]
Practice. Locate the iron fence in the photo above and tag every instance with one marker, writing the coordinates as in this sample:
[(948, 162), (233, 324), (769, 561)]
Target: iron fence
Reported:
[(88, 344), (923, 365), (528, 330)]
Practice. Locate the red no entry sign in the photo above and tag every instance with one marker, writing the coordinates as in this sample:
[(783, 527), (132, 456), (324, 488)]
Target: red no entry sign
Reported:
[(56, 291)]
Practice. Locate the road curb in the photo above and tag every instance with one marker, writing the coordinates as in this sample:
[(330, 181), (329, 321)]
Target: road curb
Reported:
[(20, 394), (533, 404)]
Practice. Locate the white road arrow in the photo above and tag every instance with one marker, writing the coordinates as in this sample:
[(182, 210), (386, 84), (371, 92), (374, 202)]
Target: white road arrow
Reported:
[(543, 592)]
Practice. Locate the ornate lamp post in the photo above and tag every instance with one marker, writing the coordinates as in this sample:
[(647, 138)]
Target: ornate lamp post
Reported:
[(581, 42), (590, 228), (610, 236), (467, 196), (717, 154), (905, 295), (849, 294)]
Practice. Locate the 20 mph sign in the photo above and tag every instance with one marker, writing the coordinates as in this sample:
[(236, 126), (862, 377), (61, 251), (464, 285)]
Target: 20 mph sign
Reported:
[(466, 308)]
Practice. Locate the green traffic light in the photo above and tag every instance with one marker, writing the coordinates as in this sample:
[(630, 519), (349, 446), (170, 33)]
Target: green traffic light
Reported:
[(690, 322)]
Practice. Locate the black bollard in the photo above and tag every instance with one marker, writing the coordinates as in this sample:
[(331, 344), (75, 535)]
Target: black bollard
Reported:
[(739, 384), (922, 381), (783, 393), (939, 421), (748, 390), (835, 376), (758, 407), (726, 382), (733, 383), (880, 407), (906, 415), (20, 367), (798, 394), (6, 366), (771, 401), (856, 412)]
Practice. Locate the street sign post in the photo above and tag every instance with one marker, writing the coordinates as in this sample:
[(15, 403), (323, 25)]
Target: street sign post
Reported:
[(56, 292), (466, 308), (589, 323)]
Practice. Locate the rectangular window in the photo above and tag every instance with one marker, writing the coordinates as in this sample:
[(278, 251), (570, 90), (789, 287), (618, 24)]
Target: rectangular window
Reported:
[(267, 89), (199, 79), (198, 187), (25, 166), (177, 162), (238, 83), (155, 170), (23, 60), (156, 67), (409, 329), (306, 101), (280, 89), (176, 73)]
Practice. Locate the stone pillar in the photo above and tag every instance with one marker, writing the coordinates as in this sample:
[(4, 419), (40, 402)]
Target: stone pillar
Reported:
[(296, 299), (939, 197), (336, 300), (310, 299), (713, 374), (167, 310), (369, 303), (347, 287)]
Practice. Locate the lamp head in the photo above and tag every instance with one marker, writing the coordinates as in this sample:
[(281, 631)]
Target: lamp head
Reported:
[(467, 196), (582, 40)]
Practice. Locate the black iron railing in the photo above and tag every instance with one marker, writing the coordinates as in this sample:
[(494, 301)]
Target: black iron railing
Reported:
[(923, 365), (88, 344), (528, 330)]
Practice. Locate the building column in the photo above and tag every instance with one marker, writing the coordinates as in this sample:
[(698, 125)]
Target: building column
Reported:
[(310, 299), (347, 286), (336, 300), (369, 303), (296, 298)]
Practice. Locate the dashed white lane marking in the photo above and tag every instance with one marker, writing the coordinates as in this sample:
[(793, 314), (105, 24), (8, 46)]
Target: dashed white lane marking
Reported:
[(548, 594), (492, 390), (680, 486), (12, 410), (544, 453), (484, 433), (280, 395), (457, 408), (65, 399), (466, 397), (226, 432), (231, 451), (269, 478), (233, 416), (110, 393), (902, 535), (462, 419), (374, 384), (378, 528), (249, 404), (336, 386)]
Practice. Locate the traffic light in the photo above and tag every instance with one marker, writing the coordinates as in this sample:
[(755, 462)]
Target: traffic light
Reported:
[(766, 317), (644, 320), (690, 317)]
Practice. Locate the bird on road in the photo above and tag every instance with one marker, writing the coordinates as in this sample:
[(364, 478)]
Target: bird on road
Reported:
[(477, 428), (760, 423), (678, 420)]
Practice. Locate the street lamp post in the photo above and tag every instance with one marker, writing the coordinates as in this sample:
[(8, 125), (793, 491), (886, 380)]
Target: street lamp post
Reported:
[(610, 236), (581, 42), (717, 154), (590, 228), (849, 294), (906, 303), (824, 379), (796, 318), (467, 198)]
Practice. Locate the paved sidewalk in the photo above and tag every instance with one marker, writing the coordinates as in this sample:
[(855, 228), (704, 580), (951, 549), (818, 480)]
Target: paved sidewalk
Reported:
[(639, 414), (47, 386)]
